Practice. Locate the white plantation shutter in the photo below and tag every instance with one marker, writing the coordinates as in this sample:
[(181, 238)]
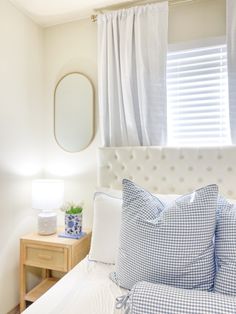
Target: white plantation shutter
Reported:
[(197, 97)]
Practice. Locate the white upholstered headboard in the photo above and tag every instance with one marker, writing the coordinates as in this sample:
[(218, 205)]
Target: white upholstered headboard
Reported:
[(169, 170)]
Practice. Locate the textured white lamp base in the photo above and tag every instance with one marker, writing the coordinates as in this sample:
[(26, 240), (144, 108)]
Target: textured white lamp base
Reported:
[(47, 223)]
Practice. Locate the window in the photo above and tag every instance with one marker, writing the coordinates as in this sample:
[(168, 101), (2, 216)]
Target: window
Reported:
[(197, 97)]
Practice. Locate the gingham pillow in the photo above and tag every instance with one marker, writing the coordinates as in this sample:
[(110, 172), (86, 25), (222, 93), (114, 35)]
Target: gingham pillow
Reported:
[(151, 298), (171, 245), (225, 246)]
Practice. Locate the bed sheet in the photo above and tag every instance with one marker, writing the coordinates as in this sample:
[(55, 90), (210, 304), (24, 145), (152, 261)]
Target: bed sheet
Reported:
[(86, 289)]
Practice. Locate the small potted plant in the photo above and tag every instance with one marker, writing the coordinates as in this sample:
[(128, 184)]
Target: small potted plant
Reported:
[(73, 218)]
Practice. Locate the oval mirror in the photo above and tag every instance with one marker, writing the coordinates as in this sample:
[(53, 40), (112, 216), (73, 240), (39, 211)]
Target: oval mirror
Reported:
[(73, 112)]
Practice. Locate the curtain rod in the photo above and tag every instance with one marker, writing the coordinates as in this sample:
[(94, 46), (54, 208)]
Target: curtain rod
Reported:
[(129, 4)]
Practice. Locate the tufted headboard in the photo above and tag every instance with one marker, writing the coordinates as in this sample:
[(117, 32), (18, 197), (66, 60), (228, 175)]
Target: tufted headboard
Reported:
[(169, 170)]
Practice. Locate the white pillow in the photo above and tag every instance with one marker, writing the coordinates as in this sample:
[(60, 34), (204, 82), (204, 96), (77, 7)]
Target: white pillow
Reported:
[(110, 191), (106, 223), (166, 198), (106, 228)]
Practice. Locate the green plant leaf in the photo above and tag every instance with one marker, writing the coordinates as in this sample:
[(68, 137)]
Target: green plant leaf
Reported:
[(74, 210)]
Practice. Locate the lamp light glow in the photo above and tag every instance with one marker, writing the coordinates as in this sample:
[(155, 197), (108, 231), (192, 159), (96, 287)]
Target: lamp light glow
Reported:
[(47, 195)]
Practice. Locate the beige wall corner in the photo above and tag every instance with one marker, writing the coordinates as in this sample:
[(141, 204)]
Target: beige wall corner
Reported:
[(16, 310), (21, 112)]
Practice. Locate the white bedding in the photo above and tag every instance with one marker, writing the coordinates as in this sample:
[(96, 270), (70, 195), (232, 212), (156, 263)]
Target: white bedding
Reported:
[(86, 289)]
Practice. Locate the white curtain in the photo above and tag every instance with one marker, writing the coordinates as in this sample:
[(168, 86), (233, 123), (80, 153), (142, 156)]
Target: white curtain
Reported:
[(231, 47), (132, 75)]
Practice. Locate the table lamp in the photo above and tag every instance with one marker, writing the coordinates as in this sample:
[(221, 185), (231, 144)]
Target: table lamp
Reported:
[(47, 195)]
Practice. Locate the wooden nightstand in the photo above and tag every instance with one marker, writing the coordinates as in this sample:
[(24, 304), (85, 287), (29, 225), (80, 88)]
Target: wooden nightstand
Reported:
[(48, 253)]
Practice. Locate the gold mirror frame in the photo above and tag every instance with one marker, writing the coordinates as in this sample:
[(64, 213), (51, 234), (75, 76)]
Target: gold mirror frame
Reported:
[(65, 117)]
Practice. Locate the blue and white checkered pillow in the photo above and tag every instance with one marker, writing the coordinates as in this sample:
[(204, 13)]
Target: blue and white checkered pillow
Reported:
[(225, 246), (151, 298), (171, 245)]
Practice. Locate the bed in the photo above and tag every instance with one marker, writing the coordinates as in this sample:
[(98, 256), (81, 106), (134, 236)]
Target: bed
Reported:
[(87, 288)]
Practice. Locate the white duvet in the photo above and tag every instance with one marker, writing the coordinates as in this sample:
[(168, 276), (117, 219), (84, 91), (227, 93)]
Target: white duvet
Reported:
[(86, 289)]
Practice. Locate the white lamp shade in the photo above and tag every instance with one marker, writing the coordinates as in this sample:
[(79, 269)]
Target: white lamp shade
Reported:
[(47, 194)]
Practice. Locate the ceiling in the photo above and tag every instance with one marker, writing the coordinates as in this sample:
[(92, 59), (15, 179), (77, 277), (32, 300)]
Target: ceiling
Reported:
[(51, 12)]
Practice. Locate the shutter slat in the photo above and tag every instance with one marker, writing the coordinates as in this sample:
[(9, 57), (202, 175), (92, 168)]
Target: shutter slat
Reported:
[(197, 90), (202, 128), (209, 82), (197, 96), (196, 72), (192, 123), (181, 119), (194, 78), (197, 65)]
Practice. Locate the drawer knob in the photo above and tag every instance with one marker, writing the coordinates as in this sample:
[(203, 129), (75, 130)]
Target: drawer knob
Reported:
[(45, 257)]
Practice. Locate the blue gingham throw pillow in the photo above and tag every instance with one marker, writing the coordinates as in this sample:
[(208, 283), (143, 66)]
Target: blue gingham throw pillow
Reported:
[(151, 298), (170, 245), (225, 246)]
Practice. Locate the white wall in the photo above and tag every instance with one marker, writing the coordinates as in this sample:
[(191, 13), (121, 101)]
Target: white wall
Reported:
[(69, 48), (20, 139), (196, 20)]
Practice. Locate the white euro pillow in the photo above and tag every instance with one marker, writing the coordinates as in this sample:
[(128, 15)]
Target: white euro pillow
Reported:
[(106, 228), (165, 198)]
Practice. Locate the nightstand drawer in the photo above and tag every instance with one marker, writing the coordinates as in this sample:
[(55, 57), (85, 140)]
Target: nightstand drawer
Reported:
[(51, 258)]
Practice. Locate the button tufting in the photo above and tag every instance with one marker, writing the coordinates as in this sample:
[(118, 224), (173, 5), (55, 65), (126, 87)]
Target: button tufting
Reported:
[(200, 157), (230, 193), (190, 168), (116, 156), (154, 168), (147, 157), (181, 179), (181, 157), (138, 168), (163, 157), (130, 177), (229, 169), (122, 167), (200, 180), (209, 169), (219, 157), (131, 157), (163, 178), (108, 167), (172, 168), (146, 178), (219, 181), (155, 188)]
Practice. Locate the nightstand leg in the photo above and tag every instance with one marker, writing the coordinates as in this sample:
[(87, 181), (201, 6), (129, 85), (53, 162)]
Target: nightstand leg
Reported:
[(22, 287), (46, 273)]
